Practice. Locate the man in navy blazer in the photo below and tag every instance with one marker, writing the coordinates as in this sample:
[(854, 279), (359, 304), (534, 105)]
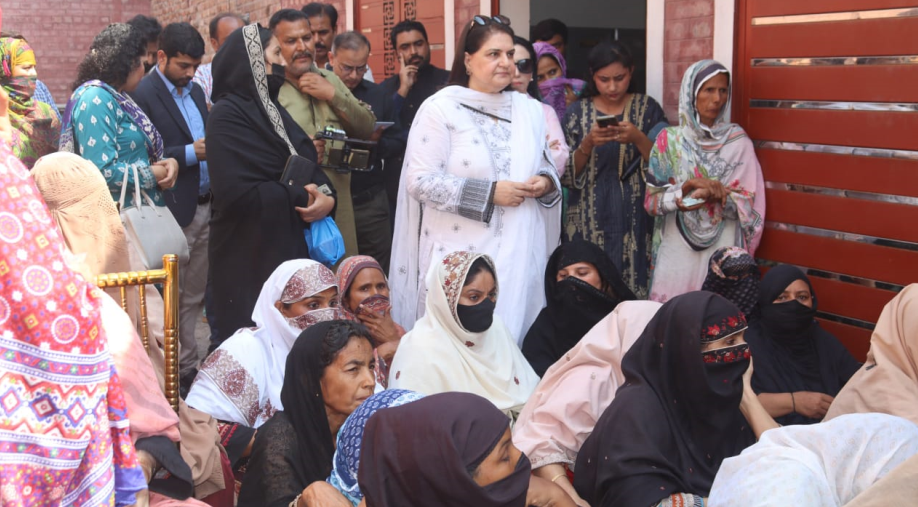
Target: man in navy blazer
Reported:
[(176, 106)]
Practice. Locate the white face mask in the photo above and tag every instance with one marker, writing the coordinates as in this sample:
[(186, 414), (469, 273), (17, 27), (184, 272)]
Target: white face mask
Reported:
[(302, 322)]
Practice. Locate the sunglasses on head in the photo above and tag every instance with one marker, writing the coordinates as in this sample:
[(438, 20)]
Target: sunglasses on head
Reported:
[(524, 66), (486, 20)]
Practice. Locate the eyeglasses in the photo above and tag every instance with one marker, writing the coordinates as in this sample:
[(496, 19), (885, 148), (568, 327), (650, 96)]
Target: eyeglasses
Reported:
[(485, 20), (347, 69), (524, 66)]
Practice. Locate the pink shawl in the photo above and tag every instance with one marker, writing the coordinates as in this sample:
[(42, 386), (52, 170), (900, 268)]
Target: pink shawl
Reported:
[(576, 390)]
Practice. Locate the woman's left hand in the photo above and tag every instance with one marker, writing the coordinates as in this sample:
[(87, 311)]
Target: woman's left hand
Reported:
[(627, 133), (381, 326), (171, 166), (541, 185), (570, 96)]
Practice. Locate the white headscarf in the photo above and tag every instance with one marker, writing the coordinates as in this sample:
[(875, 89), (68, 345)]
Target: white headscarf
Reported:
[(439, 355), (241, 381)]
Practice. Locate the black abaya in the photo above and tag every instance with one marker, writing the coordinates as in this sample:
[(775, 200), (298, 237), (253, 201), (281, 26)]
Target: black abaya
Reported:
[(675, 419), (254, 227)]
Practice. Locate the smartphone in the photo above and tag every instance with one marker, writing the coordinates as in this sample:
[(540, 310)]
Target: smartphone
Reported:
[(607, 121), (383, 125), (689, 202)]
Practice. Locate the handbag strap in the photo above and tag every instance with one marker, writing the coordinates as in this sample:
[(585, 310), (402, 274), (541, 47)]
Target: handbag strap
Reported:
[(138, 203)]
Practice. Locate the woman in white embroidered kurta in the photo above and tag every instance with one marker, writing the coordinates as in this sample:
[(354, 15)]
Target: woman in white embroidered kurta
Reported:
[(478, 176)]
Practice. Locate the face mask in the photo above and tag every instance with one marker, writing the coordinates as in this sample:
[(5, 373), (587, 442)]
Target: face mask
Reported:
[(519, 475), (727, 355), (788, 319), (311, 317), (375, 303), (477, 318), (20, 90), (276, 79)]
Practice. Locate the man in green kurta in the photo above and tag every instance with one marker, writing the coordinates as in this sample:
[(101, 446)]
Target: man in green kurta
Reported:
[(316, 98)]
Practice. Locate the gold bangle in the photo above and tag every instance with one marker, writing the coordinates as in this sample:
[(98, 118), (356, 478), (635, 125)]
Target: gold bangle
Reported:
[(295, 501), (580, 149), (555, 478)]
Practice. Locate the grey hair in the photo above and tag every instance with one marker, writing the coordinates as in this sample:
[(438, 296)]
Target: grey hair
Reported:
[(354, 41)]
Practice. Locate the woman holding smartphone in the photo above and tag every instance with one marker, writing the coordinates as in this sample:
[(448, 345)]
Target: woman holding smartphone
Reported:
[(611, 134)]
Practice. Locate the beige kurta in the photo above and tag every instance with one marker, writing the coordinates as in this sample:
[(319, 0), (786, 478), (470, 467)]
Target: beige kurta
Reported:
[(345, 112)]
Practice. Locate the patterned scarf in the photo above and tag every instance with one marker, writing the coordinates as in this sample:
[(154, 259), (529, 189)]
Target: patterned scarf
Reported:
[(734, 275), (153, 141), (64, 431), (554, 90), (350, 438), (13, 52)]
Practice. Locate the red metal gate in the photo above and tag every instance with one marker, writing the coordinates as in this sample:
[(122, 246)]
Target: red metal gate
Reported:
[(828, 90)]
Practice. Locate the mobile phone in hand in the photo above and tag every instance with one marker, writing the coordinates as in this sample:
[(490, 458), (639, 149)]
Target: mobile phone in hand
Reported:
[(689, 202), (607, 121)]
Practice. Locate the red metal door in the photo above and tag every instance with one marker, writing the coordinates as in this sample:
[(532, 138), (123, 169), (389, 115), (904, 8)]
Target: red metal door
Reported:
[(828, 90)]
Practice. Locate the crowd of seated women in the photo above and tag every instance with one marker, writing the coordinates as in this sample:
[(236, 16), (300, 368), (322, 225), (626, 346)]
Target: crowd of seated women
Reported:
[(632, 387)]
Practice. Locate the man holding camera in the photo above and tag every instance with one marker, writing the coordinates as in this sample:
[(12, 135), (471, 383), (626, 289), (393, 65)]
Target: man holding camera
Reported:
[(316, 99)]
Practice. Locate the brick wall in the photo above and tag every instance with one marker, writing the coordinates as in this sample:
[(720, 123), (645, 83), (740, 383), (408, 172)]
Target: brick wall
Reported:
[(61, 32), (689, 37), (200, 12)]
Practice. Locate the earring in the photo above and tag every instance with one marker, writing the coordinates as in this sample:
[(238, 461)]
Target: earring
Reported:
[(467, 71)]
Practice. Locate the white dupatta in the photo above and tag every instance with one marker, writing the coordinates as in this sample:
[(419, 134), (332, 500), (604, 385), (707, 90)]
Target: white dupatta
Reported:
[(439, 355)]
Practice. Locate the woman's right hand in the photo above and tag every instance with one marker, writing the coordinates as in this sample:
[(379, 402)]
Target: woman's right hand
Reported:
[(812, 405), (165, 171), (511, 193), (320, 205), (544, 493), (712, 191), (322, 494)]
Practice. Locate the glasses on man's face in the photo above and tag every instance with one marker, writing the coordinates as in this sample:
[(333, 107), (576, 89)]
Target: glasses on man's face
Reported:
[(347, 69), (524, 66), (486, 20)]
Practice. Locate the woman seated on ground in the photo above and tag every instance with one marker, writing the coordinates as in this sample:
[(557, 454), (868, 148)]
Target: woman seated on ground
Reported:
[(888, 381), (32, 128), (240, 383), (819, 465), (88, 222), (734, 274), (329, 373), (683, 409), (575, 391), (350, 438), (799, 366), (365, 298), (460, 344), (448, 450), (582, 286)]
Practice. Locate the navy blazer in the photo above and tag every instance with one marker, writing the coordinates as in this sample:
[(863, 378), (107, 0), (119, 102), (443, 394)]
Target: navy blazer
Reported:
[(154, 98)]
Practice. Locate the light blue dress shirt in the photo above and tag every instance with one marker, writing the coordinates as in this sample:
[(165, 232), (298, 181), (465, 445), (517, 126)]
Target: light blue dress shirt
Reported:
[(189, 110)]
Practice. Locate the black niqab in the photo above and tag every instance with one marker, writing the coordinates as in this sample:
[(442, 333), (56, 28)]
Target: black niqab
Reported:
[(792, 352), (573, 306), (734, 274), (674, 420), (422, 455)]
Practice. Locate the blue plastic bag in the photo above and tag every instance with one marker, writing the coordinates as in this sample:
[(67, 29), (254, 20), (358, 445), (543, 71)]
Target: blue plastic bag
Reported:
[(326, 245)]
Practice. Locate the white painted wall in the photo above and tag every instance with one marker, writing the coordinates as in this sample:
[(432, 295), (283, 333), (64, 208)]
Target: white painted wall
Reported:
[(656, 10), (589, 13), (518, 12)]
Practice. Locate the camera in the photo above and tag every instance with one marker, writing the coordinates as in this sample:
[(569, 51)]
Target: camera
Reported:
[(344, 154)]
